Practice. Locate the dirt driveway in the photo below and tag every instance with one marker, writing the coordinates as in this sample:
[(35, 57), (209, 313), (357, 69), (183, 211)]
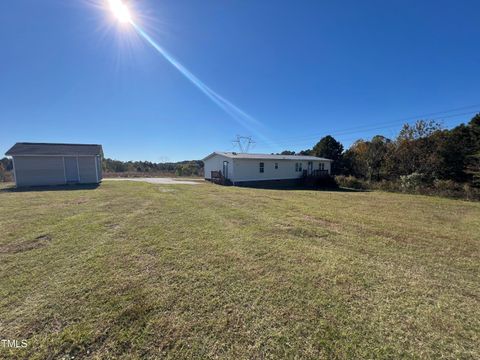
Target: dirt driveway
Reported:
[(165, 181)]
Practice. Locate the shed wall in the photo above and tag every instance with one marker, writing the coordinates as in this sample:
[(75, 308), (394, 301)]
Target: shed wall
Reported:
[(39, 170), (99, 167), (50, 170), (86, 166)]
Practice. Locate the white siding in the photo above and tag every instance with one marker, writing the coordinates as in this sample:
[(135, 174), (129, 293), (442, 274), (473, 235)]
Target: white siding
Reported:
[(39, 170), (99, 166), (86, 166), (249, 169), (327, 166), (215, 163), (51, 170)]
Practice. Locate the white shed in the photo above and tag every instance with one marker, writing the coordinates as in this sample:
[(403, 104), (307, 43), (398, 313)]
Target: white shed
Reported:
[(39, 164), (252, 169)]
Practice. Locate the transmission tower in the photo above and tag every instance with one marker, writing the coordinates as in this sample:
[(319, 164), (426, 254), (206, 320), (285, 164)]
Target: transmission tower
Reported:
[(244, 143)]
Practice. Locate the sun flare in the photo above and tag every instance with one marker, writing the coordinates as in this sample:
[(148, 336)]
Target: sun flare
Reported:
[(120, 10)]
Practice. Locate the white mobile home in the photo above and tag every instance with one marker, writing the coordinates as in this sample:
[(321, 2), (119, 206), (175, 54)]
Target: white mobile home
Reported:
[(252, 169), (39, 164)]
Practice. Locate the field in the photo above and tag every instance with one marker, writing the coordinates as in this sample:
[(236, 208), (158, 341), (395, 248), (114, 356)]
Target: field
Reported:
[(134, 270)]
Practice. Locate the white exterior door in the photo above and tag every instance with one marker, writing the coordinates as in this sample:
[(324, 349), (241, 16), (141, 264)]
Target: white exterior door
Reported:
[(225, 169)]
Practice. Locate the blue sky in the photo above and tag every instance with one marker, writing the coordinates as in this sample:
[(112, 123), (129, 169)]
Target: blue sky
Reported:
[(303, 69)]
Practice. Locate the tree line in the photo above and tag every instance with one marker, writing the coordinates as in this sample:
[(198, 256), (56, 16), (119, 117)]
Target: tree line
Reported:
[(424, 156), (182, 168)]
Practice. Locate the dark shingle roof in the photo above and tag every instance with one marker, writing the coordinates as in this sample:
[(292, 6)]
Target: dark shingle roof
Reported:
[(54, 149)]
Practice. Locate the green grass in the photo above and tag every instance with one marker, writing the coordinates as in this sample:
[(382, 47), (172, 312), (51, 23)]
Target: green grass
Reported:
[(135, 270)]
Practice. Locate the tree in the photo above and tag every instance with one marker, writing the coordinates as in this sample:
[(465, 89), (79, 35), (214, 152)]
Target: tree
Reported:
[(306, 152), (417, 149), (287, 152), (421, 129), (472, 163), (2, 172), (376, 154), (329, 148), (6, 166), (475, 122), (354, 160)]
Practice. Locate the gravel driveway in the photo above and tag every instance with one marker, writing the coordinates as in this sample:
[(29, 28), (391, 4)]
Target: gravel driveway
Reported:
[(170, 181)]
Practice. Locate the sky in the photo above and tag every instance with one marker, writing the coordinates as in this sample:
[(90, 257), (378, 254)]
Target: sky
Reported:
[(300, 69)]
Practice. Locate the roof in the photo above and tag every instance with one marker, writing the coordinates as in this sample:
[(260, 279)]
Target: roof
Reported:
[(234, 155), (25, 148)]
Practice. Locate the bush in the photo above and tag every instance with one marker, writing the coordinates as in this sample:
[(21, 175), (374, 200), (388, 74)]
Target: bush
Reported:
[(446, 185), (351, 182), (384, 185), (327, 182), (412, 182), (6, 176), (471, 192)]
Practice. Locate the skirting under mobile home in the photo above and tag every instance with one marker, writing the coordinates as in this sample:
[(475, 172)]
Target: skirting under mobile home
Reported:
[(263, 169), (44, 164)]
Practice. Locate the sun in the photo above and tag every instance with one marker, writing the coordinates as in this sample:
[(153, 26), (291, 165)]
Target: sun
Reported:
[(120, 10)]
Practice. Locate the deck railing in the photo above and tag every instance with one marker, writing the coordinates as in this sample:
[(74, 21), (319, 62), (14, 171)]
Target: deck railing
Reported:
[(315, 173)]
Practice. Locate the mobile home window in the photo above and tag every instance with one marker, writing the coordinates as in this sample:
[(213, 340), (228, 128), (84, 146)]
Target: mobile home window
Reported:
[(262, 167), (322, 166), (276, 165), (296, 166), (300, 167)]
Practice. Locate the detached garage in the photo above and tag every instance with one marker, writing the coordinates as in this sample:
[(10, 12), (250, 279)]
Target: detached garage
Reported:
[(40, 164)]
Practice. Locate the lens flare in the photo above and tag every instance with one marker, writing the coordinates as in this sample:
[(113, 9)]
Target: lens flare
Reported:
[(122, 13), (120, 10), (236, 113)]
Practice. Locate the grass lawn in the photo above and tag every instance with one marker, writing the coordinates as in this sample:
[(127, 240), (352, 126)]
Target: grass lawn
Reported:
[(136, 270)]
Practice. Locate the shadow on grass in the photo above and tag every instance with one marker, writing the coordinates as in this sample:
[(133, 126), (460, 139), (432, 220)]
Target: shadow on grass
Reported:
[(51, 188), (301, 187)]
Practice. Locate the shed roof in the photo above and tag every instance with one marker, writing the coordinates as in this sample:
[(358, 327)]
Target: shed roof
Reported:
[(24, 148), (234, 155)]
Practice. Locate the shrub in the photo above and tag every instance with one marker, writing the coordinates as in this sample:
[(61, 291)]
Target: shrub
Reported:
[(415, 183), (412, 182), (350, 182), (327, 182), (386, 185), (446, 185), (6, 176)]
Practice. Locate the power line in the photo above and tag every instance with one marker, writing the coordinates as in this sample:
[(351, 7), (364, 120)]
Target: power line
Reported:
[(394, 122), (358, 130)]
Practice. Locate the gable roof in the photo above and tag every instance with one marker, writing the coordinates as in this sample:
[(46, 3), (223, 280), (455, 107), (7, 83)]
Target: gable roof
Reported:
[(234, 155), (25, 148)]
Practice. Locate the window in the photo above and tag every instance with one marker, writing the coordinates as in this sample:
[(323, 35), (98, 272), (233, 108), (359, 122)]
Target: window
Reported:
[(276, 165), (262, 167), (321, 166), (300, 167), (296, 167)]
